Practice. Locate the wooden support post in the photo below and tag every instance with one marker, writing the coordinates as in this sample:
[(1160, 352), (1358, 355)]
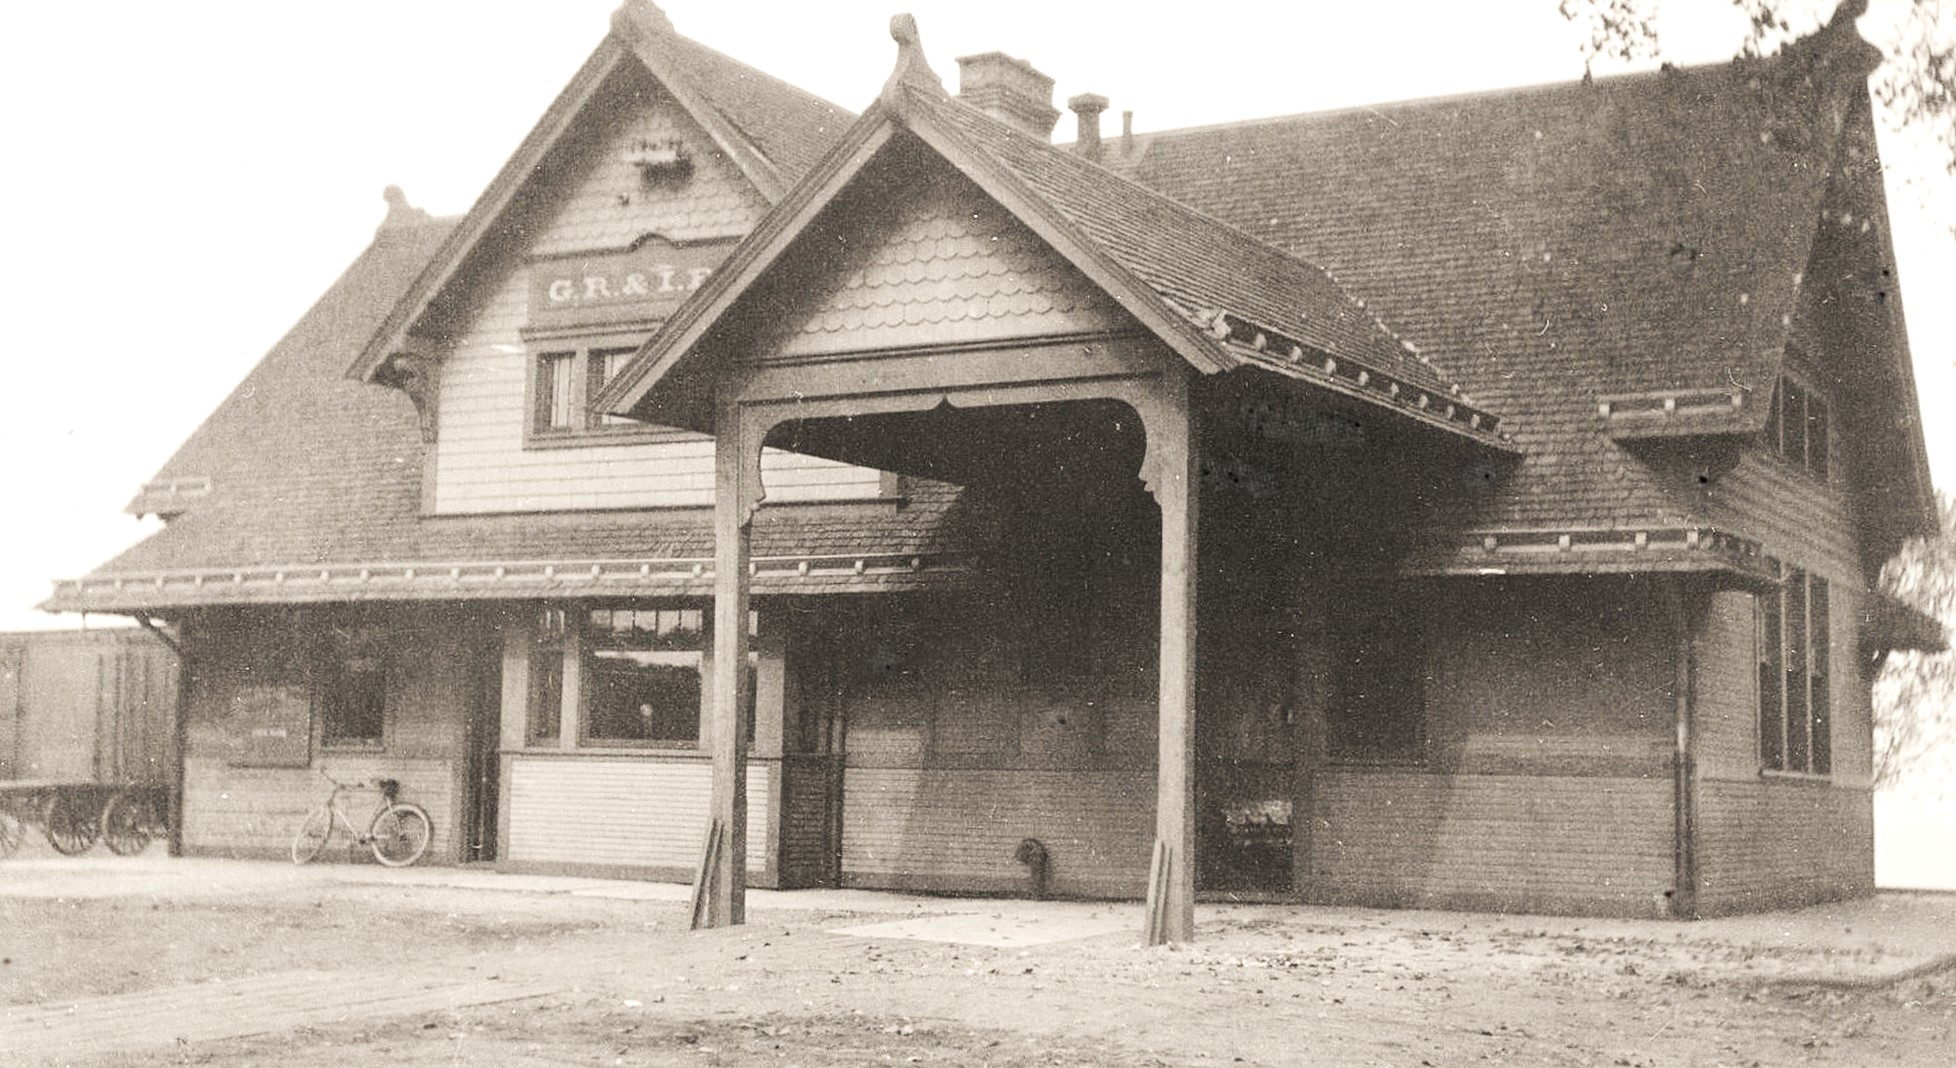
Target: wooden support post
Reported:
[(1175, 479), (720, 890)]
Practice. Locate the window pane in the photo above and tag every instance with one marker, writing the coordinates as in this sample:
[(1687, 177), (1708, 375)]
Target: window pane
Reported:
[(645, 697), (1796, 671), (1773, 421), (1817, 430), (352, 683), (1772, 725), (605, 365), (546, 695), (642, 671), (1794, 424), (555, 409), (1819, 664)]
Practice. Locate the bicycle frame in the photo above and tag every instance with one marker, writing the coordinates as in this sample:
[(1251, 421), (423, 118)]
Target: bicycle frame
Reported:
[(388, 789), (407, 834)]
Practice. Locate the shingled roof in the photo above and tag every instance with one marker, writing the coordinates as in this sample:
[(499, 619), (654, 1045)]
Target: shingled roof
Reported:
[(310, 490), (1546, 249), (1554, 247), (1214, 293), (1211, 272)]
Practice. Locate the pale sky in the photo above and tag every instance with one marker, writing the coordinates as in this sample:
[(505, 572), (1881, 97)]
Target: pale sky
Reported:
[(183, 180)]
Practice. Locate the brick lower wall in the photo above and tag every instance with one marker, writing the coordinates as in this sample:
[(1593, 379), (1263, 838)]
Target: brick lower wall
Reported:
[(1774, 844), (1575, 845)]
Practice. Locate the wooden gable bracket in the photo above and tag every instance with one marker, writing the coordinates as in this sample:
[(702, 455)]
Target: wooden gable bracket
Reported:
[(416, 371)]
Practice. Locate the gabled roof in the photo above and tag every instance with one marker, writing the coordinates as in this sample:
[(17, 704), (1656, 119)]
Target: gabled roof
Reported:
[(770, 130), (299, 462), (1642, 237), (1636, 240), (306, 486), (1214, 294)]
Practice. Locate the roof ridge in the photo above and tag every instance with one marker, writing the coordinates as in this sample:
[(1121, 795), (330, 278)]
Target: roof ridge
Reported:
[(1410, 349), (1618, 80)]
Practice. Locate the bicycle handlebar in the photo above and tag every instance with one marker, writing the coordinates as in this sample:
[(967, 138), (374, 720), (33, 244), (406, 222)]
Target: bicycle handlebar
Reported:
[(383, 785)]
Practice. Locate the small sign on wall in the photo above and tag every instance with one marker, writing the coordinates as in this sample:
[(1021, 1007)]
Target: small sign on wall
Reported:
[(644, 282), (270, 727)]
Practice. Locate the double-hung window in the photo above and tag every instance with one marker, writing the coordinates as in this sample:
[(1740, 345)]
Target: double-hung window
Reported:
[(1795, 710)]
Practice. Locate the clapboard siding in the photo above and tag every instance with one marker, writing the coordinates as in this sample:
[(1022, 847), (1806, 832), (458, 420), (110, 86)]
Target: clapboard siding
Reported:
[(254, 812), (623, 812), (599, 202), (482, 464), (1725, 688), (955, 830), (1773, 844), (1578, 845), (1795, 516)]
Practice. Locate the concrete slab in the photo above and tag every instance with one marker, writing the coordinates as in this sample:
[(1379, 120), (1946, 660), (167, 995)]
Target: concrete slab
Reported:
[(1004, 929), (1869, 941), (151, 1021)]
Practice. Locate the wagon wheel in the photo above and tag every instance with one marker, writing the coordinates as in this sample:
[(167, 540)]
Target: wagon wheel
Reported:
[(126, 822), (10, 830), (72, 826)]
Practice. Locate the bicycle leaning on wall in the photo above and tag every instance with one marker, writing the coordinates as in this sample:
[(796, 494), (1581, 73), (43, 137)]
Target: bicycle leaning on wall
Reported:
[(398, 833)]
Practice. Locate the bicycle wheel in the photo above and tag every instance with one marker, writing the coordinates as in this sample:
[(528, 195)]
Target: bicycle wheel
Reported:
[(401, 833), (126, 820), (71, 826), (10, 830), (312, 836)]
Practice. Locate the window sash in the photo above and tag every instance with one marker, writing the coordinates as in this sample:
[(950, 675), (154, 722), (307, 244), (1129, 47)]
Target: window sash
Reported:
[(605, 364), (565, 375), (1794, 643), (1798, 425), (556, 407)]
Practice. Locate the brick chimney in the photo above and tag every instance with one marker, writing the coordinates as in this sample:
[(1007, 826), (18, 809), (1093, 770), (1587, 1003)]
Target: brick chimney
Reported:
[(1086, 110), (1009, 90)]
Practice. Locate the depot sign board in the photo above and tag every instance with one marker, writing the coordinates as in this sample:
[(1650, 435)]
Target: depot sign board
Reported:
[(643, 283)]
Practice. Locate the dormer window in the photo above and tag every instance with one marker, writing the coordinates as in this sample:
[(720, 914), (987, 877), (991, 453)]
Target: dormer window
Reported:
[(1798, 427)]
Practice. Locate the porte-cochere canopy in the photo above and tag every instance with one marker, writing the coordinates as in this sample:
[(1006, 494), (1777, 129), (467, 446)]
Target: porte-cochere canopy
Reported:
[(941, 262)]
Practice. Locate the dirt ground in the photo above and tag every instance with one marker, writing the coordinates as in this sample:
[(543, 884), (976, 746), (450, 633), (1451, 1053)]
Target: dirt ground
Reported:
[(593, 979)]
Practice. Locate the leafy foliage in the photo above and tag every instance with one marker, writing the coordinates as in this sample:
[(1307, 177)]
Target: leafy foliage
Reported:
[(1915, 693), (1916, 85), (1615, 29)]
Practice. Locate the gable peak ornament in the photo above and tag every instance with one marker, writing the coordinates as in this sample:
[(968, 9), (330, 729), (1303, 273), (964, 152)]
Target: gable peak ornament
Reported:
[(911, 66)]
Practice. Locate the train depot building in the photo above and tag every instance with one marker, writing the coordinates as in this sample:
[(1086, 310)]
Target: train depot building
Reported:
[(1468, 503)]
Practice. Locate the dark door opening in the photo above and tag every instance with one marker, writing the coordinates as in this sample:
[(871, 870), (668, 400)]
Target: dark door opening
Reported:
[(485, 757)]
